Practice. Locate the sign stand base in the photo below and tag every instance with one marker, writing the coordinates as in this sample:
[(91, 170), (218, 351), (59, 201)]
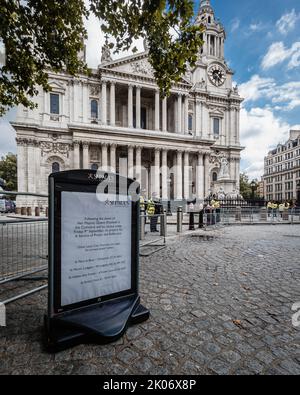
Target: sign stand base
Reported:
[(101, 323)]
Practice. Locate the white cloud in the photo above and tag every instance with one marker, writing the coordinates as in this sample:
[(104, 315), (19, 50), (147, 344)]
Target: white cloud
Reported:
[(283, 97), (278, 53), (96, 39), (256, 27), (261, 130), (287, 22), (7, 138), (235, 24)]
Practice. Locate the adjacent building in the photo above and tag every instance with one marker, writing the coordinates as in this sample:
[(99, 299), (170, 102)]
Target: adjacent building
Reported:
[(185, 145), (282, 170)]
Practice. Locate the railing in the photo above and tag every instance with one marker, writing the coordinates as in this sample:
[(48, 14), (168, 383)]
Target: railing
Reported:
[(23, 252), (151, 245)]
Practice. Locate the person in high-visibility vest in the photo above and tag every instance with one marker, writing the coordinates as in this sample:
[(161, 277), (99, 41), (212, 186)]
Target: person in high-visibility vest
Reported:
[(153, 210)]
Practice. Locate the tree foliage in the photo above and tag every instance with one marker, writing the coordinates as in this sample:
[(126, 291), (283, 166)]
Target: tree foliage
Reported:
[(48, 34), (8, 171), (245, 187)]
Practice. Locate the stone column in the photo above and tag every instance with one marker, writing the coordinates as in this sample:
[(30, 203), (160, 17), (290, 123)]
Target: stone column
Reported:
[(200, 177), (164, 115), (206, 174), (85, 101), (237, 174), (186, 115), (237, 133), (138, 164), (130, 106), (179, 113), (76, 158), (179, 176), (198, 118), (104, 104), (85, 155), (186, 175), (138, 107), (113, 148), (112, 103), (22, 167), (164, 171), (157, 110), (31, 167), (130, 161), (104, 164), (157, 172)]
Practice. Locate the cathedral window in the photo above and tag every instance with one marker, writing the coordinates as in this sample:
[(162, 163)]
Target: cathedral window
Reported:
[(54, 103), (94, 109), (216, 127), (55, 167), (215, 177), (190, 122)]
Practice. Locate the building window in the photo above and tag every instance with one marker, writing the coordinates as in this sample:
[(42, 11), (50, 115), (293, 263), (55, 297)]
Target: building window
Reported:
[(215, 177), (54, 103), (94, 166), (94, 109), (190, 122), (144, 118), (216, 126), (55, 167)]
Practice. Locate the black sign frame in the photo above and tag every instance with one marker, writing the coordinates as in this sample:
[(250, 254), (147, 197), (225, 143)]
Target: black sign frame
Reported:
[(84, 181)]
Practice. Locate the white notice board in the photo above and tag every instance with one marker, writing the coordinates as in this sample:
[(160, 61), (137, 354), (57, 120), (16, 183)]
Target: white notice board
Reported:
[(95, 246)]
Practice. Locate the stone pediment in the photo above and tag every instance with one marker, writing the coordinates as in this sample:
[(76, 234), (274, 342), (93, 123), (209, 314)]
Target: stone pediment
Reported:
[(136, 64), (56, 86)]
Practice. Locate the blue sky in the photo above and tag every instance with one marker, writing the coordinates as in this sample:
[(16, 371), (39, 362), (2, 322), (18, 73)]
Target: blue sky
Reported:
[(263, 48)]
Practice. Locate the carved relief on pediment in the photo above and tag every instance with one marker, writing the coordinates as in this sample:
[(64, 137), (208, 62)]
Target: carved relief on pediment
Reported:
[(142, 67)]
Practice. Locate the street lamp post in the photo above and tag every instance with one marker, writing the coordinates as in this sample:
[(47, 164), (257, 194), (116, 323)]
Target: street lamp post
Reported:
[(253, 188)]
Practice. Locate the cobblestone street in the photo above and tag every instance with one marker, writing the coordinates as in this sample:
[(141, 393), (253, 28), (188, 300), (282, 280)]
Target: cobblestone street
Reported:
[(219, 305)]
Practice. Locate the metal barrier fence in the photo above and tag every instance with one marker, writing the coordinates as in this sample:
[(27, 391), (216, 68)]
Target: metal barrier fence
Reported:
[(23, 251), (157, 244), (252, 215)]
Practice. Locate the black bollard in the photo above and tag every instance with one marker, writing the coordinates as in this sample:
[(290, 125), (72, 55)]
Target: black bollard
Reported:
[(201, 219), (192, 221), (169, 209)]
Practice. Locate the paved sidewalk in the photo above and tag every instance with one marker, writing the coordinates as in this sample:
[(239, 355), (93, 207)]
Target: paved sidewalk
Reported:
[(219, 304)]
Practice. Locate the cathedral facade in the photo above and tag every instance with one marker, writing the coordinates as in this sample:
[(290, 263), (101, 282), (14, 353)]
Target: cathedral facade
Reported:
[(183, 146)]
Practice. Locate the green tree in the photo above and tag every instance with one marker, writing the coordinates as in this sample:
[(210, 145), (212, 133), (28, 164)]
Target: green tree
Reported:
[(246, 188), (8, 171), (47, 34)]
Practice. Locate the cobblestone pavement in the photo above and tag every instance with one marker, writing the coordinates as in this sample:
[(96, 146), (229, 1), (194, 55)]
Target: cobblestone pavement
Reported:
[(218, 306)]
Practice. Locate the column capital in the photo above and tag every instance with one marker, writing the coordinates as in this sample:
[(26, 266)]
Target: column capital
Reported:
[(104, 81), (113, 146), (113, 83), (130, 85), (138, 147), (137, 86), (104, 145), (76, 144), (85, 144)]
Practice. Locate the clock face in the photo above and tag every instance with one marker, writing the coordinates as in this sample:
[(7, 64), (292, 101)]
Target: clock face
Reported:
[(217, 75)]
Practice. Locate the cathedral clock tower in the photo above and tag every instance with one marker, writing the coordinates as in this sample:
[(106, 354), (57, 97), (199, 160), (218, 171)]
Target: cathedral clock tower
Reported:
[(219, 101)]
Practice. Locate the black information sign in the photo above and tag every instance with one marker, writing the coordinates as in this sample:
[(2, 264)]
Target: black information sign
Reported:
[(93, 258)]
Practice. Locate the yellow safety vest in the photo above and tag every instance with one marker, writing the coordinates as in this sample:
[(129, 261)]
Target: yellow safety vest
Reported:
[(151, 207), (142, 202)]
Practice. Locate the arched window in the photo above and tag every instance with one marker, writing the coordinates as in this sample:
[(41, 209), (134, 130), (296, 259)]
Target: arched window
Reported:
[(215, 177), (94, 166), (55, 167), (94, 109)]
